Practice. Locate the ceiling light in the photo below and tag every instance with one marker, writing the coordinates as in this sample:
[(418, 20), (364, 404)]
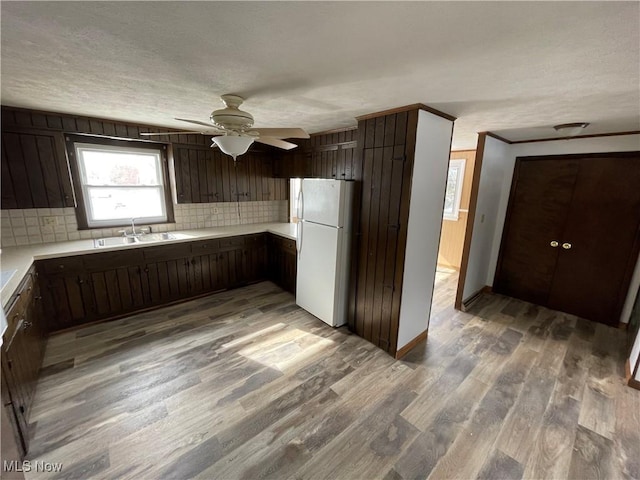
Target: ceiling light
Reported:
[(233, 145), (571, 129)]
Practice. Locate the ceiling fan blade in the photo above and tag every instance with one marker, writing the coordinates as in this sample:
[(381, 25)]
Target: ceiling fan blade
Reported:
[(281, 132), (154, 134), (276, 142), (196, 122)]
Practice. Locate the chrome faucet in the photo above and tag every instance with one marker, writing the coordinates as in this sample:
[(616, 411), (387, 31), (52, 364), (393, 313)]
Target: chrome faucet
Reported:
[(133, 230)]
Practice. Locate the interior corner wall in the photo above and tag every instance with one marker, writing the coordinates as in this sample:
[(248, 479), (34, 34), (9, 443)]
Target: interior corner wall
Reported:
[(496, 171), (431, 163), (495, 184)]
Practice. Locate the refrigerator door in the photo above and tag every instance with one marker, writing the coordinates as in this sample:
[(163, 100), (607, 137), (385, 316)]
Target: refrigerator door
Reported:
[(322, 201), (317, 289)]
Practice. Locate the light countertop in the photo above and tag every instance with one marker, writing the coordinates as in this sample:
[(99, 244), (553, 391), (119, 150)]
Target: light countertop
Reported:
[(20, 259)]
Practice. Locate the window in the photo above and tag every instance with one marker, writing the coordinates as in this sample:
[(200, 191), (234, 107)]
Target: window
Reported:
[(118, 181), (453, 192)]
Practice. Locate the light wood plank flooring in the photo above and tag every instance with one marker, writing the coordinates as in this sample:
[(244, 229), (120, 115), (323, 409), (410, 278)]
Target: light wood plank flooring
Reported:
[(244, 384)]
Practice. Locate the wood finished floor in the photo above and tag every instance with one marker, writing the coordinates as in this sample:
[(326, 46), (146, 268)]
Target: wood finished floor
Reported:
[(244, 384)]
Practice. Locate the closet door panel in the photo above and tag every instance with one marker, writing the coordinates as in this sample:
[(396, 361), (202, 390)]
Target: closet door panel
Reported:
[(538, 208), (592, 277)]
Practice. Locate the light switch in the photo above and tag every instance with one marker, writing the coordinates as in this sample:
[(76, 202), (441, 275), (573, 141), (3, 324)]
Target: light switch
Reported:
[(49, 221)]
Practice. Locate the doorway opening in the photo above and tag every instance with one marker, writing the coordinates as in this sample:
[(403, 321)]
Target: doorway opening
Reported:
[(453, 231)]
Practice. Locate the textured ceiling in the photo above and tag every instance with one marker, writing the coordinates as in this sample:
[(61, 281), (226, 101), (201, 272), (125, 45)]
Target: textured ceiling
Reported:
[(512, 68)]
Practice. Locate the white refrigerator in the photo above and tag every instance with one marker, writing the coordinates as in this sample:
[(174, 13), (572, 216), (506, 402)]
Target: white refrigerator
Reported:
[(323, 243)]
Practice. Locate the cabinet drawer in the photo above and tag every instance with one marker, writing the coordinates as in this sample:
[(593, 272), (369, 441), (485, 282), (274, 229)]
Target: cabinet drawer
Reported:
[(107, 260), (205, 246), (289, 245), (167, 252), (232, 242), (255, 240), (61, 265)]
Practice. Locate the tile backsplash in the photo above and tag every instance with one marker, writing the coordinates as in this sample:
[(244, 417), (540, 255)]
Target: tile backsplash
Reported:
[(46, 225)]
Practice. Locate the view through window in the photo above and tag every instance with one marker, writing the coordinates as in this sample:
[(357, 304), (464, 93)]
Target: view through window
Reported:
[(119, 184), (453, 192)]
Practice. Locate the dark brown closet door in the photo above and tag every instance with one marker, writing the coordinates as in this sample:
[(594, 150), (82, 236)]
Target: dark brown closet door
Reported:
[(540, 199), (592, 276)]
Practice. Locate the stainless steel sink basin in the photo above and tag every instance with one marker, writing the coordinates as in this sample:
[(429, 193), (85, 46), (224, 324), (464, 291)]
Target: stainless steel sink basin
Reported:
[(113, 241), (156, 237), (143, 238)]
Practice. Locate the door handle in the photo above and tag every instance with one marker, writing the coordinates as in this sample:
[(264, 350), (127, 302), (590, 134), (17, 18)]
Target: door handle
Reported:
[(554, 243), (566, 246)]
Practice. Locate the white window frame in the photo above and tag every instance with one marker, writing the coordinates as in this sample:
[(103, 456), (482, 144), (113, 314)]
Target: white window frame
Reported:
[(116, 222), (454, 214)]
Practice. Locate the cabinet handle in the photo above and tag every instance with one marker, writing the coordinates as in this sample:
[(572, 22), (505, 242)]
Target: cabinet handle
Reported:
[(554, 243), (37, 298), (26, 325), (566, 246), (146, 270)]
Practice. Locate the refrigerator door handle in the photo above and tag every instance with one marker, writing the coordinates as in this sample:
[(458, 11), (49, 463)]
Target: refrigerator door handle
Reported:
[(299, 238), (300, 212)]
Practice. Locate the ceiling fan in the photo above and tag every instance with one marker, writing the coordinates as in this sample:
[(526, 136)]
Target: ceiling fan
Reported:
[(233, 131)]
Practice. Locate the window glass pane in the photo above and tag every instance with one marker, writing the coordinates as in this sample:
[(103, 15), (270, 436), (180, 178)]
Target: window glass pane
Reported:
[(125, 203), (104, 167), (450, 193)]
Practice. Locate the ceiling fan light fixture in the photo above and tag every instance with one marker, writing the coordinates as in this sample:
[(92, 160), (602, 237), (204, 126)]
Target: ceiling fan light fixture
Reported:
[(233, 145), (571, 129)]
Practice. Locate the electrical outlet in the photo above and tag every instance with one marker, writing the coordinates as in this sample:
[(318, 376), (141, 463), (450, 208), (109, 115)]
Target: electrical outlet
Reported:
[(216, 211), (49, 221)]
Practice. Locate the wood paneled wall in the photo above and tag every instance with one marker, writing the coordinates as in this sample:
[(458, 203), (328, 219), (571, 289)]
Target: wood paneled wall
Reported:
[(62, 122), (386, 145), (35, 172), (453, 232), (325, 155)]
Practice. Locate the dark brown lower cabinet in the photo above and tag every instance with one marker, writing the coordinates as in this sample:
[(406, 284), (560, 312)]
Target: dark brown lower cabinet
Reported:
[(572, 233), (283, 262), (97, 286), (22, 352)]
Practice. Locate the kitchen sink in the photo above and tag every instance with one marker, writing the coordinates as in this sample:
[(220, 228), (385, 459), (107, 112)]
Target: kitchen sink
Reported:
[(113, 241), (143, 238)]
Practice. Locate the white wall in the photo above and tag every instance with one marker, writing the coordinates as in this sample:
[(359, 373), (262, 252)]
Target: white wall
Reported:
[(433, 143), (496, 152), (496, 171)]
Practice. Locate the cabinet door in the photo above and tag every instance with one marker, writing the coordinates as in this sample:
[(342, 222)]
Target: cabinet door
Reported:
[(34, 170), (540, 200), (67, 300), (16, 375), (281, 263), (603, 229), (116, 291), (195, 177), (169, 280)]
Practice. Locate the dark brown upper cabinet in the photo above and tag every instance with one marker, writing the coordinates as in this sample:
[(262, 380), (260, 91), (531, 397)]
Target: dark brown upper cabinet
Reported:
[(328, 155), (205, 175), (35, 173)]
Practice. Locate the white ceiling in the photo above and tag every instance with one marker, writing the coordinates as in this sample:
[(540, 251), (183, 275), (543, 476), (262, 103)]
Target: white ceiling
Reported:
[(512, 68)]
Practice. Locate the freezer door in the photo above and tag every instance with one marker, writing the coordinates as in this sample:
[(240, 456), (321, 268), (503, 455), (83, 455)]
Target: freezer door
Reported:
[(317, 288), (322, 201)]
